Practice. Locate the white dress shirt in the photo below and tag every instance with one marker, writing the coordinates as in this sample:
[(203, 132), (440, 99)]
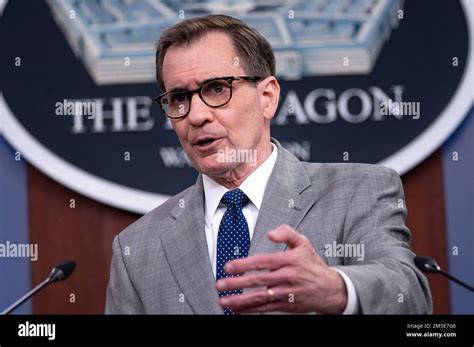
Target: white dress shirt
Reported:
[(254, 188)]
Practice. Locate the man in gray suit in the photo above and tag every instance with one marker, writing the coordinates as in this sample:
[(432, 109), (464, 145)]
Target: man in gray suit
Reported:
[(259, 231)]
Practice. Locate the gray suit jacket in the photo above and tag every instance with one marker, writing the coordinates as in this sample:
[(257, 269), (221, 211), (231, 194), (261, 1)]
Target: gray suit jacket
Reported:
[(161, 265)]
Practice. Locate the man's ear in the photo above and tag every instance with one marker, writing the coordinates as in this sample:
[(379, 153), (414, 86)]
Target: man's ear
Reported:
[(270, 96)]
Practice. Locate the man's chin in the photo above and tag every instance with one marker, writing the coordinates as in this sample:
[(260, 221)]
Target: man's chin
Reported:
[(212, 167)]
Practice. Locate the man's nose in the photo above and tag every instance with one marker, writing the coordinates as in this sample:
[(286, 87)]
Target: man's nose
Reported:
[(199, 112)]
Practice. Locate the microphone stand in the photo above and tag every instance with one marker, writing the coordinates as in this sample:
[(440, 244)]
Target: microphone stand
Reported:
[(26, 296), (458, 281), (58, 273)]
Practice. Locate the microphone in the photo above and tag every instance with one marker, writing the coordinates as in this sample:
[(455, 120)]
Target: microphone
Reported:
[(429, 265), (58, 273)]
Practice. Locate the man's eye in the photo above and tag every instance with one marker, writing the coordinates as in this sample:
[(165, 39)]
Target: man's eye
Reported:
[(216, 88), (177, 98)]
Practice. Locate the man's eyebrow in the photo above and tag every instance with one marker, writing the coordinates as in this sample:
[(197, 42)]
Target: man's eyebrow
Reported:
[(178, 89), (182, 89)]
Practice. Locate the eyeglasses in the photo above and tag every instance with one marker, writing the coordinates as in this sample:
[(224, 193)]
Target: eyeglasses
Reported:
[(215, 92)]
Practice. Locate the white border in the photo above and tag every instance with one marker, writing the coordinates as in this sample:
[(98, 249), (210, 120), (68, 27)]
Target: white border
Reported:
[(453, 114), (139, 201), (71, 176), (3, 3)]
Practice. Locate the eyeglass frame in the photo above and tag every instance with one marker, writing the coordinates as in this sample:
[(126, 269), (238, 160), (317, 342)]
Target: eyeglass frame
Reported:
[(190, 93)]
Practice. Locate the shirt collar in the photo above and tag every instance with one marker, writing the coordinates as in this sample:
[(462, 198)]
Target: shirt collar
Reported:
[(253, 187)]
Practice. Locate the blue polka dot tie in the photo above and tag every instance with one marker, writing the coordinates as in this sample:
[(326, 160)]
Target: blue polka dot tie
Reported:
[(233, 239)]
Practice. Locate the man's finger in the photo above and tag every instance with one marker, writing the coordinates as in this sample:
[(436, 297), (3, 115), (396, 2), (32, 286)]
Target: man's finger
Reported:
[(261, 279), (256, 298), (286, 234), (269, 261)]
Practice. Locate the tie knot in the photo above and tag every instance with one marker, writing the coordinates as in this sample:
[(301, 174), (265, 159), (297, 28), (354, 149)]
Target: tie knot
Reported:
[(235, 197)]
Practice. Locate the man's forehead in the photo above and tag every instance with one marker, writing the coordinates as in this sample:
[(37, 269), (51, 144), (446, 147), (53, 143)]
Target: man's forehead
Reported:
[(209, 57)]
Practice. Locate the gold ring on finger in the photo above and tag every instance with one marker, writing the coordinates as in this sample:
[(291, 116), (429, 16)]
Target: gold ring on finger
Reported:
[(271, 294)]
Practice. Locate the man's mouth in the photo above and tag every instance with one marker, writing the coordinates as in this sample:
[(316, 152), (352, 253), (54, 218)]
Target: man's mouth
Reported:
[(206, 144), (205, 140)]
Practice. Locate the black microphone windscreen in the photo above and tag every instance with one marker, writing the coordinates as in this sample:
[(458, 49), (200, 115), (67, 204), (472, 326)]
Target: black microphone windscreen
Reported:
[(65, 269), (426, 264)]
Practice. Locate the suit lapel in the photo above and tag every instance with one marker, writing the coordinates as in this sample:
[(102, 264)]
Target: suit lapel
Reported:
[(186, 250), (282, 201), (287, 199)]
